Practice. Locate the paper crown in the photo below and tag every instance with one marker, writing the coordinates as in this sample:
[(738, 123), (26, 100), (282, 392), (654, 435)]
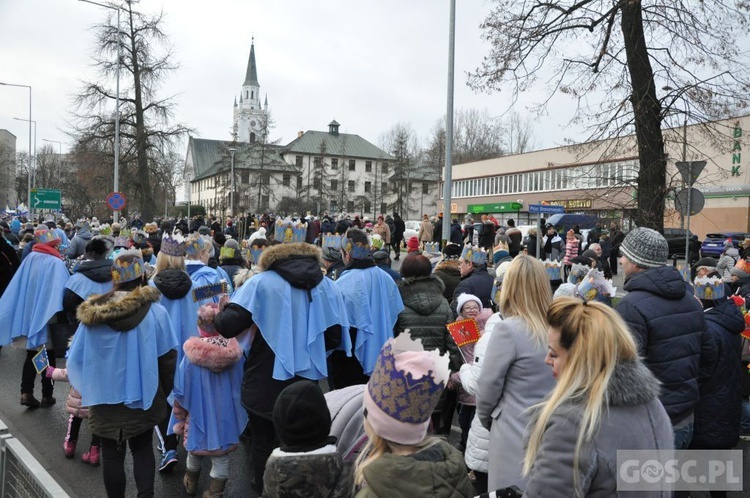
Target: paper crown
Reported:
[(194, 245), (554, 269), (253, 254), (433, 247), (173, 244), (577, 273), (404, 388), (227, 253), (123, 271), (709, 288), (44, 236), (356, 251), (122, 241), (105, 229), (743, 264), (287, 231), (332, 241), (474, 254), (594, 287)]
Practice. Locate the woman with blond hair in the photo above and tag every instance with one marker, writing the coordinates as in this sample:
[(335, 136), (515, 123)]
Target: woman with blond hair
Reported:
[(605, 400), (513, 376)]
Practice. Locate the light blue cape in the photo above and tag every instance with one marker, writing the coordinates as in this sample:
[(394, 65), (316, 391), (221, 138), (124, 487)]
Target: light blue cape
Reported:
[(84, 287)]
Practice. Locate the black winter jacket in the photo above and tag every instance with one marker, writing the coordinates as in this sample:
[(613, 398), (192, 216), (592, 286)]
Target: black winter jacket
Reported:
[(479, 282), (667, 323), (717, 416)]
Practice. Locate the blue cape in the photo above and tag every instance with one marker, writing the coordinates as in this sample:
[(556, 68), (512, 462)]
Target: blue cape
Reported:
[(84, 287), (205, 275), (183, 314), (217, 417), (373, 303), (109, 367), (292, 325), (32, 298)]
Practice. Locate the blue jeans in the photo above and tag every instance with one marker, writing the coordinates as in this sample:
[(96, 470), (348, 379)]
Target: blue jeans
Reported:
[(683, 436)]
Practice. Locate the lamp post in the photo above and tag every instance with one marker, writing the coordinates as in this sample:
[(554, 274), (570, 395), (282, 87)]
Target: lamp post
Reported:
[(28, 191), (231, 150), (116, 215), (448, 173), (32, 160)]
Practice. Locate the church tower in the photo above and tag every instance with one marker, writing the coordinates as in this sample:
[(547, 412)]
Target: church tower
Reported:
[(248, 113)]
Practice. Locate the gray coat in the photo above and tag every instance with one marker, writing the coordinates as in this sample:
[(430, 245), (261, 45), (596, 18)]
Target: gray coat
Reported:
[(513, 378), (634, 420)]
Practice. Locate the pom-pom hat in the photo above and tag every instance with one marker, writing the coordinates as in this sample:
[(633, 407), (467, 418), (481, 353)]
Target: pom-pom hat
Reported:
[(645, 248), (404, 389)]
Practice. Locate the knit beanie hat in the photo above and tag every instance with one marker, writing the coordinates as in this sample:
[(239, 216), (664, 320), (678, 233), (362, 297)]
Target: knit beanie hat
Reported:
[(412, 245), (645, 248), (566, 289), (404, 389), (301, 418), (465, 298), (452, 251), (331, 254)]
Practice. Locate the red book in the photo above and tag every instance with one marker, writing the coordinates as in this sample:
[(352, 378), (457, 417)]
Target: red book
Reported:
[(464, 331)]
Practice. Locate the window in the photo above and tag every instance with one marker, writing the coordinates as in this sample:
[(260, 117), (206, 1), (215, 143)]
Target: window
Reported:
[(366, 207), (352, 164), (265, 178), (245, 177), (350, 206), (383, 207), (264, 201), (252, 138), (350, 186), (316, 162), (368, 166), (383, 189), (384, 168), (425, 188), (286, 179), (298, 161), (334, 163), (316, 183), (299, 183), (334, 184), (368, 188)]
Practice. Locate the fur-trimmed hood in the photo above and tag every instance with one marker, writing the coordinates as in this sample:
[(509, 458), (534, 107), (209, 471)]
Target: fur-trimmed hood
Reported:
[(121, 310), (215, 353), (449, 266), (280, 252), (298, 263)]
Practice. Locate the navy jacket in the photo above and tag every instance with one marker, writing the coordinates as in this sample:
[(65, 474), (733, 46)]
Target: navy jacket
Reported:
[(667, 323), (456, 234), (479, 282), (717, 416)]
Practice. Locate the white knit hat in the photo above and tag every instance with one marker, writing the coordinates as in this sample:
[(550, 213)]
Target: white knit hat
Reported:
[(465, 298)]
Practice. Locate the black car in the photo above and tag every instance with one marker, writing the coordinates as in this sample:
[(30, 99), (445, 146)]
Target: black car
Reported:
[(676, 241)]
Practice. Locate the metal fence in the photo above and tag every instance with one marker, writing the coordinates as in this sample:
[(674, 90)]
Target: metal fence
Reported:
[(22, 475)]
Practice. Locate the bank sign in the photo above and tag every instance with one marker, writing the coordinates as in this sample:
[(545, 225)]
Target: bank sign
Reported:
[(736, 149)]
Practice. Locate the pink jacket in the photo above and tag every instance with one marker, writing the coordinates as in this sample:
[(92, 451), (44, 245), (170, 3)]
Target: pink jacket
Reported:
[(571, 250)]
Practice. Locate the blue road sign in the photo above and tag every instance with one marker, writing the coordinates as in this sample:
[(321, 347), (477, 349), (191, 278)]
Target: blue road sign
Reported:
[(116, 201), (544, 208)]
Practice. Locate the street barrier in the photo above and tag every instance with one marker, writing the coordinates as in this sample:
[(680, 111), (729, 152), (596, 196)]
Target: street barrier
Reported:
[(22, 475)]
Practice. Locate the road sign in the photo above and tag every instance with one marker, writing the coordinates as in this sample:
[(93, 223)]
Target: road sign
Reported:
[(542, 208), (697, 201), (46, 198), (116, 201), (690, 171)]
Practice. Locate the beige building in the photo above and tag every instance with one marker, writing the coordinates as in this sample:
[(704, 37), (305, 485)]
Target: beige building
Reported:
[(599, 178), (7, 170)]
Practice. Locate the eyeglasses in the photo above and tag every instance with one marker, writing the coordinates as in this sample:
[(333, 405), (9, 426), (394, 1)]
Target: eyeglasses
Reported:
[(470, 308)]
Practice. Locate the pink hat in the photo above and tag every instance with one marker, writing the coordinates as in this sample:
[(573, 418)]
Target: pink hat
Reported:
[(404, 389), (412, 244)]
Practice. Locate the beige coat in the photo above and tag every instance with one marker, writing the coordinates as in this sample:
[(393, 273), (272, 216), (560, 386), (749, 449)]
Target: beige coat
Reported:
[(425, 231), (383, 231)]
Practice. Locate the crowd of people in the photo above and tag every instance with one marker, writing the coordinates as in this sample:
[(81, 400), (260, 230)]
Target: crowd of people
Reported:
[(294, 335)]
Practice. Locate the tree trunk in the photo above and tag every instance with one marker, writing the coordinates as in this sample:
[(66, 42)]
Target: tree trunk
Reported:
[(647, 117)]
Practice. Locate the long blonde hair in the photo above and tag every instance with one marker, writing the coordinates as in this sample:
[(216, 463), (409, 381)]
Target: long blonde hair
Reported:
[(526, 294), (376, 447), (165, 261), (596, 339)]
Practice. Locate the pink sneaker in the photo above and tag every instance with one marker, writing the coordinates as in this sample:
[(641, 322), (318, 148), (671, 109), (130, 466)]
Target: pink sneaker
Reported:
[(92, 456), (70, 449)]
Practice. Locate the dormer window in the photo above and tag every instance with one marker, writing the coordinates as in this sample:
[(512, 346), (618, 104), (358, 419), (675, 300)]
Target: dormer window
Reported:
[(252, 95)]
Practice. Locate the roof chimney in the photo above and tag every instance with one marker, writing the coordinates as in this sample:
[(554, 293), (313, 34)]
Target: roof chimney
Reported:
[(300, 133)]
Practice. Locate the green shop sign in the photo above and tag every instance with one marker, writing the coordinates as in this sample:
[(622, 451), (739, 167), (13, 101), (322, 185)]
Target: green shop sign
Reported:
[(500, 207)]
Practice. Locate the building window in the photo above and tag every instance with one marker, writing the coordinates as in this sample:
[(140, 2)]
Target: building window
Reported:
[(350, 185), (264, 201), (352, 164), (383, 187), (245, 177), (334, 163), (265, 178), (316, 162), (316, 183), (425, 188), (286, 180), (350, 206), (366, 207), (368, 166), (384, 168), (383, 207), (299, 183), (252, 138), (334, 184), (298, 161), (368, 188)]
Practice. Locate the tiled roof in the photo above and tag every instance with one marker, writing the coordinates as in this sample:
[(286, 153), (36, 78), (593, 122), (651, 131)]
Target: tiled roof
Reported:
[(341, 144), (212, 156)]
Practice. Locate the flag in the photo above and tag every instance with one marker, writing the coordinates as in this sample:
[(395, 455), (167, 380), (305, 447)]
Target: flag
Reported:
[(464, 332)]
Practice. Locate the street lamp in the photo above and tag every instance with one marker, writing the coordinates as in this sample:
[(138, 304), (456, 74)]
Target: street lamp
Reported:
[(231, 150), (116, 215), (28, 192), (31, 167)]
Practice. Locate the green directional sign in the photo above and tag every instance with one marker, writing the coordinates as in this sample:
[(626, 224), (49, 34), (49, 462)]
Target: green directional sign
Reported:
[(46, 198), (500, 207)]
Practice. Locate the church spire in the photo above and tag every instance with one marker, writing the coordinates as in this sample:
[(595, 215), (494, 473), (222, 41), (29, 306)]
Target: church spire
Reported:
[(251, 77)]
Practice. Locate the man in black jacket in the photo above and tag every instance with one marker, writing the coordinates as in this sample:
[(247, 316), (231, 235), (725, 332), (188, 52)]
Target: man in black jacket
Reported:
[(397, 235), (667, 323), (475, 279)]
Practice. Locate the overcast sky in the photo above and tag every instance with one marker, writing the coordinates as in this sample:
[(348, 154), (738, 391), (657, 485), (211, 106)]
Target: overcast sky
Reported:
[(369, 64)]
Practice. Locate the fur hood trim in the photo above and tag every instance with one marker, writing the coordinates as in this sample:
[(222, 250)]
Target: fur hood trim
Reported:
[(448, 266), (482, 318), (106, 309), (274, 254), (632, 384), (215, 353)]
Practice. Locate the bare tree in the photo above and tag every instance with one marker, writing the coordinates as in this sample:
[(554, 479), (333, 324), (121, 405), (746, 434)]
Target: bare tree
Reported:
[(146, 133), (517, 134), (402, 143), (619, 54)]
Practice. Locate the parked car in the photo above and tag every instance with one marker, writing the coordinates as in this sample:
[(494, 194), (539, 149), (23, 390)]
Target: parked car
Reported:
[(676, 241), (713, 244)]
